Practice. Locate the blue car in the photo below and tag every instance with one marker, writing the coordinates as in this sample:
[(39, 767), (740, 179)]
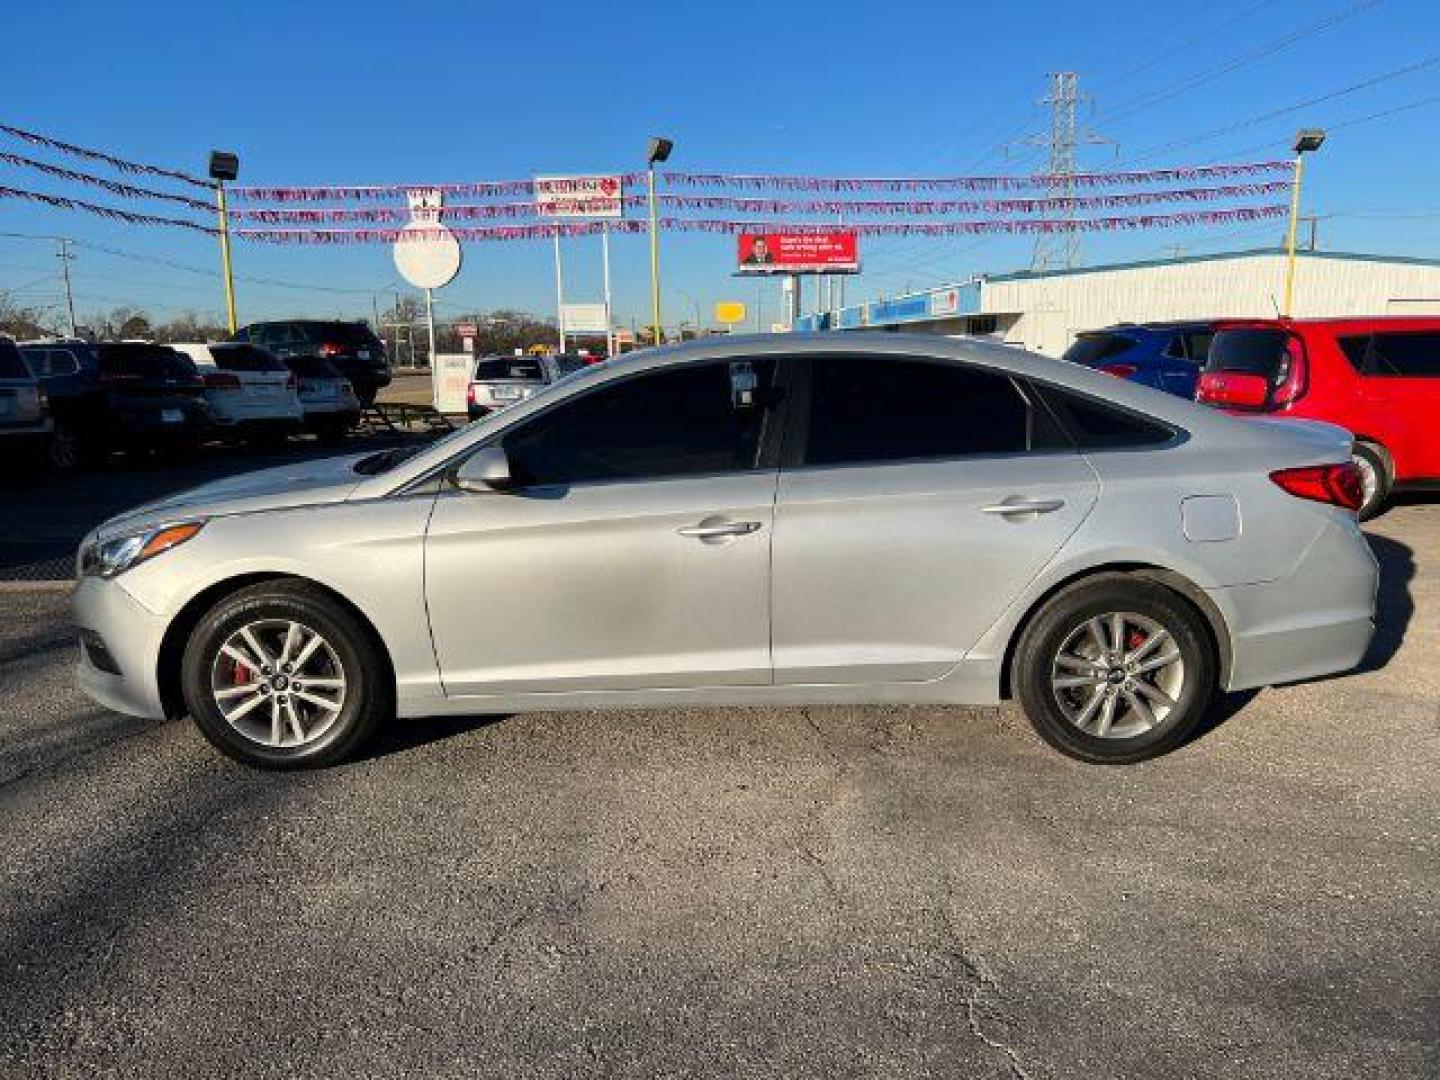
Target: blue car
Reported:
[(1167, 356)]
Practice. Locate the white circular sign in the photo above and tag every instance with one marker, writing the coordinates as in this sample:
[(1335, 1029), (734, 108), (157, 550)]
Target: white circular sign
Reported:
[(430, 259)]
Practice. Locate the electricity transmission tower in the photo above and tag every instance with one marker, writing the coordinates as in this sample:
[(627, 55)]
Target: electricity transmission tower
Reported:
[(1061, 250)]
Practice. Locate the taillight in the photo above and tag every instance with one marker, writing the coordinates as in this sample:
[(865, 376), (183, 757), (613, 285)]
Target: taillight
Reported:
[(1338, 485), (292, 383), (1294, 379), (221, 380), (470, 393), (42, 399), (1120, 371), (331, 349)]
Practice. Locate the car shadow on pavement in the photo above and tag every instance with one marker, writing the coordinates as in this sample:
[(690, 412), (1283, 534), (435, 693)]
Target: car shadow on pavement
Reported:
[(1394, 606), (401, 735)]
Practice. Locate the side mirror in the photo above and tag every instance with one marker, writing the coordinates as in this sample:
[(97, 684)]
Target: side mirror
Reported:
[(484, 471)]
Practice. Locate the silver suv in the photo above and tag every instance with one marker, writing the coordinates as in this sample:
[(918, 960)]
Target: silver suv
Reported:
[(25, 424), (501, 381)]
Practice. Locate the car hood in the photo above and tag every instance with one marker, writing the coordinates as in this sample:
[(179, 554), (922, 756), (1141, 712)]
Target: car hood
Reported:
[(307, 483)]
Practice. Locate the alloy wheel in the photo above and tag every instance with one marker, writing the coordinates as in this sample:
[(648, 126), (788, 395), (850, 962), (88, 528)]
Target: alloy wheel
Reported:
[(1118, 675), (279, 683)]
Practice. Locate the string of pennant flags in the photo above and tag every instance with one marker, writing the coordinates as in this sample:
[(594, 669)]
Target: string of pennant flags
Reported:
[(290, 215)]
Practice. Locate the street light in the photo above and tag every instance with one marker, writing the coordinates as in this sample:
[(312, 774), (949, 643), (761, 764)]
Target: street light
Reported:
[(1307, 141), (225, 166), (658, 150)]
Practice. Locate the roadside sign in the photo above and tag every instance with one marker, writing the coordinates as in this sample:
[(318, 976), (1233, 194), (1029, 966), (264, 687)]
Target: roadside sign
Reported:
[(585, 318), (579, 196), (452, 380), (730, 312), (466, 329)]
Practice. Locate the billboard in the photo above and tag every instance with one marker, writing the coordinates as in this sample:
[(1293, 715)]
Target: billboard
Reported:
[(730, 311), (799, 253), (579, 196), (585, 318)]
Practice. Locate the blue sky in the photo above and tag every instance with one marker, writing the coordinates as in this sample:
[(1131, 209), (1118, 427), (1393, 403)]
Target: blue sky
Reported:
[(364, 92)]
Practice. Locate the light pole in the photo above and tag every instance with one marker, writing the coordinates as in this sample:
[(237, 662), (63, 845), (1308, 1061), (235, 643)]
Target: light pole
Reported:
[(1307, 141), (225, 166), (659, 150)]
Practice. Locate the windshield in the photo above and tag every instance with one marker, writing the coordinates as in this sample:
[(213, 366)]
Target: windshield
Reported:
[(1092, 349)]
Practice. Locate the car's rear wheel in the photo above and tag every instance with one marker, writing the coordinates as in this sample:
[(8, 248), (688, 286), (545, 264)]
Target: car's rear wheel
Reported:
[(1116, 670), (281, 676), (64, 448), (1375, 478)]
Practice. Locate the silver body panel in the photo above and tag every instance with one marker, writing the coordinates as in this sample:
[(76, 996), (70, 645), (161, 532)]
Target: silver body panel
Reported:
[(875, 583)]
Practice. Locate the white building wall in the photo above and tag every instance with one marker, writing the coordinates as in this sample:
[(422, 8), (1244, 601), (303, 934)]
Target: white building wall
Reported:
[(1052, 310)]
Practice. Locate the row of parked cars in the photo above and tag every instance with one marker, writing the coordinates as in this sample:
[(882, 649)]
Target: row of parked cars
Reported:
[(75, 401), (1379, 378)]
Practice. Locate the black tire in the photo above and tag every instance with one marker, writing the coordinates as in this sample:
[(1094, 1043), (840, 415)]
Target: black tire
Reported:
[(64, 452), (368, 696), (1374, 462), (1065, 615)]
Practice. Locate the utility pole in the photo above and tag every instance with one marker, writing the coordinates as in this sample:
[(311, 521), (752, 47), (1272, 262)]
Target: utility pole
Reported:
[(1061, 250), (65, 257)]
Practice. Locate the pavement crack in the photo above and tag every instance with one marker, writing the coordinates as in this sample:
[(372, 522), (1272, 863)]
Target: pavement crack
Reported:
[(980, 981)]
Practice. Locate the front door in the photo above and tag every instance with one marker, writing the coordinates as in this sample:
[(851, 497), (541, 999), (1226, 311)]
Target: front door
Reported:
[(912, 514), (633, 554)]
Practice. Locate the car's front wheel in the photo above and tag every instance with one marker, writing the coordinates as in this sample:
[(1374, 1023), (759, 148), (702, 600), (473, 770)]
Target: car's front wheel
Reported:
[(282, 676), (1116, 670)]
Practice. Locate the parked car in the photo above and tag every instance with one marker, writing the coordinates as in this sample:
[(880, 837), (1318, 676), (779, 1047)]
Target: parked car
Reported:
[(1165, 355), (351, 346), (119, 396), (327, 398), (1379, 378), (765, 520), (500, 381), (25, 425), (251, 393)]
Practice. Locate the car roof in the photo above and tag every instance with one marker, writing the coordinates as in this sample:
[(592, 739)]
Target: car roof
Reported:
[(1349, 322)]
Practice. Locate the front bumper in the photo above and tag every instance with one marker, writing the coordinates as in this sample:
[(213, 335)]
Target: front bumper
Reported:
[(131, 635)]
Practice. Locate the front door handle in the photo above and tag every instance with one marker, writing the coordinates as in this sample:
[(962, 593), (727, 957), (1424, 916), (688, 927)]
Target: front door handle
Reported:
[(711, 529), (1018, 507)]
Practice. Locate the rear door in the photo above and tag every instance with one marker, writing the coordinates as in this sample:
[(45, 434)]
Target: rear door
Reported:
[(914, 506), (1400, 375)]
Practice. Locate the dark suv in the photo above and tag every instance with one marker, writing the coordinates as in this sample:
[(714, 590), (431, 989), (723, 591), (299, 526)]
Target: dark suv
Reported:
[(351, 347), (1165, 355)]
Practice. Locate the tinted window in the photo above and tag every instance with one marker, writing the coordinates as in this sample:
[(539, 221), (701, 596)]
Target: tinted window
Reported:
[(1197, 345), (1395, 354), (12, 364), (672, 423), (883, 409), (1253, 352), (568, 365), (245, 358), (145, 361), (312, 367), (1092, 349), (1095, 425), (342, 333), (512, 367)]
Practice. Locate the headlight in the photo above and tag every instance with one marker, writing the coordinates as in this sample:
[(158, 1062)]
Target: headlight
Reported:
[(106, 558)]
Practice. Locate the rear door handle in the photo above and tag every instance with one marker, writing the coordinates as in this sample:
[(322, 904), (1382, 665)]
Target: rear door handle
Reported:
[(1017, 507), (709, 530)]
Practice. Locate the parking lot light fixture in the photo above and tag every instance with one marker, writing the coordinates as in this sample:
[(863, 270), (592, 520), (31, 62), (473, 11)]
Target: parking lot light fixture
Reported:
[(1307, 141), (658, 150), (225, 166)]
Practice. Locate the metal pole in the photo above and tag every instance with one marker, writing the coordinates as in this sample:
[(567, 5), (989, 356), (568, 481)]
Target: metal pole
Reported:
[(605, 271), (1290, 235), (559, 292), (654, 254), (430, 326), (65, 267), (225, 256)]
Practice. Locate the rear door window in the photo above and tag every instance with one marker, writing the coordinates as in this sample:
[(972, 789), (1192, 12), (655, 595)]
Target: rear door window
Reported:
[(882, 408), (1091, 350), (1395, 354)]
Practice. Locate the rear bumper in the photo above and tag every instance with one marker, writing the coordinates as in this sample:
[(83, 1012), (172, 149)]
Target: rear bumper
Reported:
[(131, 636), (1317, 621)]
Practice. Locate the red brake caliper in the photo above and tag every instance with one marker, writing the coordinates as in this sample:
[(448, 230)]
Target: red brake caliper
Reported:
[(240, 674), (1134, 640)]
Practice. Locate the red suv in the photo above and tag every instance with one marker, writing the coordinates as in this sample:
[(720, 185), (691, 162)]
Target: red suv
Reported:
[(1380, 378)]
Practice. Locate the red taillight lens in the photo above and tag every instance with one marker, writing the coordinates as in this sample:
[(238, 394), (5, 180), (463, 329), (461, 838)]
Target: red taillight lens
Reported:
[(330, 349), (1295, 377), (1339, 485), (292, 383), (470, 393), (221, 380), (1120, 371)]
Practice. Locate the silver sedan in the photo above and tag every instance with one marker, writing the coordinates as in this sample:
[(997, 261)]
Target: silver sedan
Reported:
[(770, 520)]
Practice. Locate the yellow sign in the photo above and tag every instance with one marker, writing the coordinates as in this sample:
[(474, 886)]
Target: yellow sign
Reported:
[(729, 311)]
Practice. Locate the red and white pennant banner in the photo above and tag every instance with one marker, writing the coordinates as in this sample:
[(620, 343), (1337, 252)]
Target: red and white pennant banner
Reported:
[(906, 228), (850, 208)]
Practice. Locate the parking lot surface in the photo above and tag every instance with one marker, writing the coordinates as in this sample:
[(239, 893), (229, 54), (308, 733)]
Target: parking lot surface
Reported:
[(825, 892)]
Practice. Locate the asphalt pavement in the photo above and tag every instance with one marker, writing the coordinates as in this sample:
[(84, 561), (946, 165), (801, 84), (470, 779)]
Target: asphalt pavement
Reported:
[(828, 892)]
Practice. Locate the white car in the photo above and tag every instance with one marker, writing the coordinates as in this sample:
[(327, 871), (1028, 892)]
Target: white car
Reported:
[(327, 397), (250, 391)]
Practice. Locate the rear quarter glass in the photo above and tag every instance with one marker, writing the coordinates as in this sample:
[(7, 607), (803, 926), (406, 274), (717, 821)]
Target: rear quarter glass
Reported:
[(1091, 350), (12, 364)]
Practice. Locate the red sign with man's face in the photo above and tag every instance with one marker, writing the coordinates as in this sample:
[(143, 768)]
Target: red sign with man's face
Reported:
[(794, 252)]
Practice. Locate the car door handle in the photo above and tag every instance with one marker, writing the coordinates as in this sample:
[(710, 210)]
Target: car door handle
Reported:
[(1023, 506), (708, 530)]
